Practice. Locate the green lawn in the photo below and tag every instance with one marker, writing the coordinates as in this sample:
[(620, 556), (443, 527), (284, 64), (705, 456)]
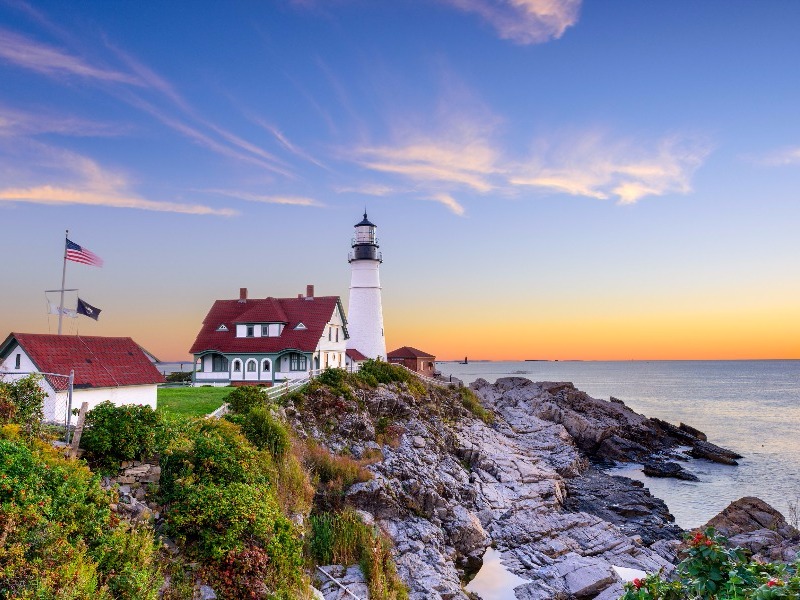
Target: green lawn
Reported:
[(191, 401)]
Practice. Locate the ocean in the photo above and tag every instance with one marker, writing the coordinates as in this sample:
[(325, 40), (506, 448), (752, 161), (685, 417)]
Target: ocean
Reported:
[(752, 407)]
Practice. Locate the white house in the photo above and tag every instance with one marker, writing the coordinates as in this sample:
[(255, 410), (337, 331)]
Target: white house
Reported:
[(260, 341), (106, 368)]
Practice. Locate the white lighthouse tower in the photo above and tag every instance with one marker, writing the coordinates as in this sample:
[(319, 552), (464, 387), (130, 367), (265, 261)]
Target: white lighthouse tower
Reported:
[(364, 313)]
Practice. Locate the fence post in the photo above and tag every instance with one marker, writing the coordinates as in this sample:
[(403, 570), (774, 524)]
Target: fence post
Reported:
[(76, 439), (69, 403)]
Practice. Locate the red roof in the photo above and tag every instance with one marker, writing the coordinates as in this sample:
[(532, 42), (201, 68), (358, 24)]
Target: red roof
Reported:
[(313, 312), (408, 352), (355, 355), (98, 362)]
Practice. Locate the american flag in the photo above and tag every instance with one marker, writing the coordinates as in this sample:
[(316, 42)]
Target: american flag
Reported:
[(82, 255)]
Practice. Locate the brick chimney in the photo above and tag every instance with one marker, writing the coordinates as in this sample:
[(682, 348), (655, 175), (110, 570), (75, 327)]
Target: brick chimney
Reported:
[(309, 291), (242, 294)]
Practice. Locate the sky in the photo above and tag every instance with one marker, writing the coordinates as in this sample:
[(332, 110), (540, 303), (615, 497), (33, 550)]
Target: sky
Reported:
[(550, 179)]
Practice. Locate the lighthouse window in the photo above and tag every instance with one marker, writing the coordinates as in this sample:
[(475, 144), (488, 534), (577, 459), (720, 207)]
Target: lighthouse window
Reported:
[(297, 362)]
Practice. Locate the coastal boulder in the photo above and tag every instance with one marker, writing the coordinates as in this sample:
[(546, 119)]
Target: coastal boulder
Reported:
[(753, 524)]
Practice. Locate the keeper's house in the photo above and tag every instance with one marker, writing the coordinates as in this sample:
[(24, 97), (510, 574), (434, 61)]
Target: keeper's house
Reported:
[(261, 341), (106, 368)]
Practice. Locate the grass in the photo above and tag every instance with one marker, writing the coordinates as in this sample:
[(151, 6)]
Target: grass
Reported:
[(191, 401)]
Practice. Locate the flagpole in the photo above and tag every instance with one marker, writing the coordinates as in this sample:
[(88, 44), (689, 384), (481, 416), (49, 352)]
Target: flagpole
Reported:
[(63, 283)]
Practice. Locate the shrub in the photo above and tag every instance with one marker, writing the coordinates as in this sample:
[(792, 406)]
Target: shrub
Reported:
[(473, 405), (128, 555), (59, 538), (244, 398), (224, 524), (264, 431), (213, 451), (710, 570), (27, 397), (337, 380), (179, 377), (117, 433)]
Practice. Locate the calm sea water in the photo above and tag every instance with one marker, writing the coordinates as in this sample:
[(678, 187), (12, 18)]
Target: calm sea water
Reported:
[(752, 407)]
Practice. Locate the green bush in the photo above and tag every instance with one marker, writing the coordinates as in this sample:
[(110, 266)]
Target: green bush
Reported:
[(128, 555), (60, 539), (179, 377), (264, 431), (212, 451), (245, 398), (712, 571), (117, 433), (22, 401)]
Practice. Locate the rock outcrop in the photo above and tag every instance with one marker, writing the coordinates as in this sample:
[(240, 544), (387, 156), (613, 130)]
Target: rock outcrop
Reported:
[(753, 524), (450, 485)]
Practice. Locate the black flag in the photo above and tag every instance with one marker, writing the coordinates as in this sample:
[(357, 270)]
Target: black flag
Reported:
[(84, 308)]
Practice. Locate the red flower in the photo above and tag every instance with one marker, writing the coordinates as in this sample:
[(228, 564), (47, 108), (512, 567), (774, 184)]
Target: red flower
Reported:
[(709, 543), (637, 583), (773, 583)]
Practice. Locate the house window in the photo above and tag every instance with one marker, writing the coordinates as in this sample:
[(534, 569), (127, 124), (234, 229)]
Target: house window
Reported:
[(219, 363), (251, 366), (250, 331), (300, 326), (265, 331), (222, 327), (330, 334), (265, 366), (337, 334), (237, 366), (18, 362), (297, 362)]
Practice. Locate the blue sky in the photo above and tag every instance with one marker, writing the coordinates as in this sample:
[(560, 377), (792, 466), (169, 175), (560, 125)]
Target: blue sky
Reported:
[(550, 179)]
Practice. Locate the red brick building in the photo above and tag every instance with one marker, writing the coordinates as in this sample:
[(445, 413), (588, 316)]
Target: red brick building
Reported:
[(416, 360)]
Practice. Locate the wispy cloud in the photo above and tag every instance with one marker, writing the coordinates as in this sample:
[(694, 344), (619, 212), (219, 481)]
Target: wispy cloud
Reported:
[(80, 180), (49, 60), (368, 189), (269, 199), (15, 122), (779, 158), (285, 142), (450, 202), (525, 21), (598, 166)]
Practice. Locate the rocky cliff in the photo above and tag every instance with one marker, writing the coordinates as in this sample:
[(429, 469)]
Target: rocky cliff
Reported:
[(449, 485)]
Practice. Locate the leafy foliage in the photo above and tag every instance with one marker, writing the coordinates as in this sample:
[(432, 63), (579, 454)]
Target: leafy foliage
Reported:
[(245, 398), (373, 372), (179, 377), (712, 571), (117, 433), (22, 401), (264, 431), (58, 538)]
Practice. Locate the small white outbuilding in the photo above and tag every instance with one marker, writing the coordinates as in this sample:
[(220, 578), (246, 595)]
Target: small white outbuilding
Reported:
[(106, 368)]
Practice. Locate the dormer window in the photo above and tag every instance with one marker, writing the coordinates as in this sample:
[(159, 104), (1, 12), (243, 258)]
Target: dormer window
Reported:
[(222, 327), (300, 326), (250, 331)]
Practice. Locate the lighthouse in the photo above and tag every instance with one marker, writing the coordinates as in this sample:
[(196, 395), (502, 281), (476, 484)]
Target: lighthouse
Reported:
[(364, 313)]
